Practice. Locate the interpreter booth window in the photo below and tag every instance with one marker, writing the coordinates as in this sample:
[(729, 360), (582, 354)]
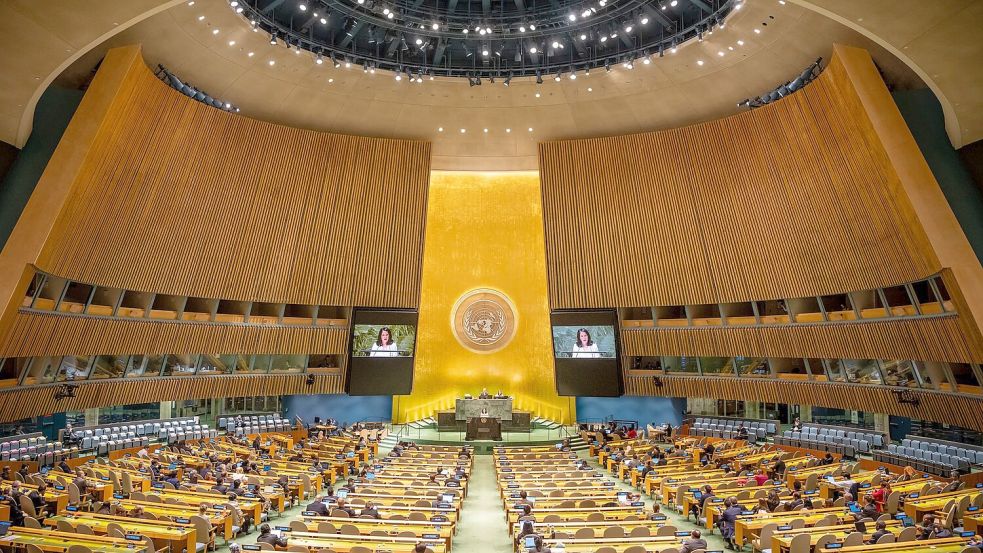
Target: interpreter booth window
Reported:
[(212, 364), (684, 365), (180, 365), (109, 366), (261, 364), (899, 373), (716, 365), (288, 363), (862, 371), (74, 367), (835, 371), (754, 367), (966, 378), (789, 368), (10, 370)]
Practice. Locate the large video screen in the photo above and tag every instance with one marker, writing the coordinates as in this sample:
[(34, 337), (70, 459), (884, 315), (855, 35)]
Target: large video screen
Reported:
[(374, 340), (585, 353), (584, 342), (380, 360)]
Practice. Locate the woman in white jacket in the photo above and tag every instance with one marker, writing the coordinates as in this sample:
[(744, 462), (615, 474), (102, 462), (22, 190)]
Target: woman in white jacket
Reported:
[(384, 345), (584, 348)]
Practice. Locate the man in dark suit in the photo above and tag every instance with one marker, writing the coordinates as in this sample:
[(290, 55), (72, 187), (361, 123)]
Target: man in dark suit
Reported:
[(370, 511), (693, 543), (220, 486), (318, 507), (266, 536), (880, 531), (341, 506)]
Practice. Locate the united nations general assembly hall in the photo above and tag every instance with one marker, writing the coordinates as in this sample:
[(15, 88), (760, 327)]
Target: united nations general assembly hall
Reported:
[(491, 276)]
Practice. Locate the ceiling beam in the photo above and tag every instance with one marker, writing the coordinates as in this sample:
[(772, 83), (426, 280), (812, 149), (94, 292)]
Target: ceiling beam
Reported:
[(438, 53), (272, 6), (702, 5), (350, 35), (521, 4)]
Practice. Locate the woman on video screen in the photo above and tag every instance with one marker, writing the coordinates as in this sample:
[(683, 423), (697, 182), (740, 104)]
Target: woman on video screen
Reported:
[(384, 345), (584, 348)]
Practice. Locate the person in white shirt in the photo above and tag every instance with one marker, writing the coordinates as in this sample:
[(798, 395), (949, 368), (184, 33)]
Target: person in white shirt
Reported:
[(384, 345), (585, 346)]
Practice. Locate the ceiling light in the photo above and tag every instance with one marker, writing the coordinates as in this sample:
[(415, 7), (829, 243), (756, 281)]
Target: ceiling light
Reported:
[(488, 30), (530, 129), (720, 53), (391, 15), (532, 27), (191, 2), (699, 62), (589, 89), (463, 131), (303, 7), (385, 11), (273, 39), (533, 50), (319, 60), (508, 130), (440, 129), (465, 31), (330, 80), (251, 54), (435, 26), (399, 76), (557, 77), (347, 64), (583, 37), (740, 43), (673, 3), (645, 21), (572, 17), (481, 32), (604, 38), (538, 94), (419, 41), (201, 18), (324, 21), (585, 13), (522, 28), (757, 31), (484, 51), (647, 61), (555, 44), (214, 31), (573, 76), (232, 43), (272, 62), (628, 28), (486, 130)]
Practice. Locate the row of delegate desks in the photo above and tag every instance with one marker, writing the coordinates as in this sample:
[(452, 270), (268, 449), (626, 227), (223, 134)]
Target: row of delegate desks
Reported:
[(559, 518)]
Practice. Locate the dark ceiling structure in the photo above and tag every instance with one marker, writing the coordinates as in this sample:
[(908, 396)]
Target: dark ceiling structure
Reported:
[(484, 40)]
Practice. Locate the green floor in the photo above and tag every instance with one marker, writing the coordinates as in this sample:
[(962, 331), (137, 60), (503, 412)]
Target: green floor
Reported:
[(482, 527)]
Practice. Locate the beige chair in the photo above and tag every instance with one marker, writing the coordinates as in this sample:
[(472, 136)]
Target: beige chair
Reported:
[(298, 526), (640, 532), (801, 543), (668, 530), (614, 532), (204, 536), (326, 528), (828, 520), (764, 538), (636, 549), (64, 526), (349, 530), (266, 546), (297, 549), (886, 538), (607, 550), (595, 517), (855, 539), (76, 548), (797, 523), (584, 533), (822, 541), (908, 534), (31, 548), (339, 513), (970, 549), (359, 549), (31, 522)]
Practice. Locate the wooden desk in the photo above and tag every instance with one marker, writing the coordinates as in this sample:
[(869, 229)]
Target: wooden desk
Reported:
[(781, 540), (172, 532), (59, 542), (946, 545), (918, 507), (748, 526), (393, 527), (220, 519), (342, 543)]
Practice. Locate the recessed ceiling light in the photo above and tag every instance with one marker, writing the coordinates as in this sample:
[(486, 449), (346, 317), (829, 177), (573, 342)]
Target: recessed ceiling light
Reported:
[(647, 61), (251, 54), (699, 62), (191, 2), (533, 50), (303, 7), (508, 130), (589, 89), (330, 80), (530, 129), (486, 130), (740, 43), (757, 31), (201, 18), (232, 43), (463, 131), (419, 41), (440, 129), (214, 31), (272, 62), (324, 21), (720, 53), (537, 95)]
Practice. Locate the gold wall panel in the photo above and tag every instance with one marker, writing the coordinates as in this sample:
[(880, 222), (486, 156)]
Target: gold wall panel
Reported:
[(484, 230)]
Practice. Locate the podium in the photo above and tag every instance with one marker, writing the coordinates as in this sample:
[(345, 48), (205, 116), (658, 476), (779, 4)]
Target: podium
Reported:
[(483, 428)]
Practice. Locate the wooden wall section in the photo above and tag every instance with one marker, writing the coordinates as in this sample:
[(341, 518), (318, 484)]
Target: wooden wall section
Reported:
[(18, 403), (44, 334), (178, 197), (931, 339), (794, 199), (950, 408)]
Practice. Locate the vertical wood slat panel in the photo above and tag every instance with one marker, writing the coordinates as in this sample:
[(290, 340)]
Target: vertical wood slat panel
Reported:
[(794, 199), (942, 407), (932, 339), (180, 198)]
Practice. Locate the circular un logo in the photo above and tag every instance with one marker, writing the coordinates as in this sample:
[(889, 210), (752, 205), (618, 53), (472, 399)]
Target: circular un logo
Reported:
[(483, 320)]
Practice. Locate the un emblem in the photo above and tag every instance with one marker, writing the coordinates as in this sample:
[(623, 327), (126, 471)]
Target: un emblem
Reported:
[(483, 320)]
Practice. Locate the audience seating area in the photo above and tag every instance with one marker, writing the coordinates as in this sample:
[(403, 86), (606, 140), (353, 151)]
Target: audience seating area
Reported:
[(843, 440), (727, 427), (33, 447), (931, 455), (253, 424), (105, 438)]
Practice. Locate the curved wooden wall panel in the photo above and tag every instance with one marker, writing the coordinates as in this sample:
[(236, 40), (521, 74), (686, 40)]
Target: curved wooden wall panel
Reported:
[(794, 199), (931, 339), (950, 408), (18, 403), (43, 334), (181, 198)]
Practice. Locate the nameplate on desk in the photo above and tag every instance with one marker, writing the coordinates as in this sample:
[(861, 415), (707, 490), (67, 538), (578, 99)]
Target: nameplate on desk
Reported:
[(691, 490), (181, 520), (118, 495), (657, 517), (452, 484), (717, 500), (513, 485), (60, 488), (309, 514), (609, 483), (509, 477), (250, 547), (442, 505), (71, 508), (784, 528), (913, 495), (598, 475), (431, 536), (133, 537), (282, 528), (637, 503), (506, 470), (438, 518)]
